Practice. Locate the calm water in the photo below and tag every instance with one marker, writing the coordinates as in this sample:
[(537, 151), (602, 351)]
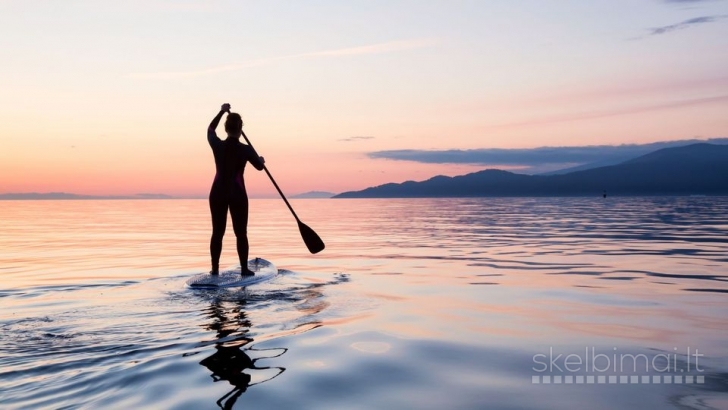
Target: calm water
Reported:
[(456, 304)]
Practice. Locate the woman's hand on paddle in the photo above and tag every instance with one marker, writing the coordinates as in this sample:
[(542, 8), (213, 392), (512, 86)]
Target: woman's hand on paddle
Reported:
[(225, 108), (262, 160)]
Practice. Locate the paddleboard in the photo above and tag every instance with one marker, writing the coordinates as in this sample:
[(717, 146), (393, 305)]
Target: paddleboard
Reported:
[(264, 270)]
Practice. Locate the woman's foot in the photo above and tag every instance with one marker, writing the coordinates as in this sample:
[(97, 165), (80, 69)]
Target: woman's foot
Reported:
[(247, 272), (214, 273)]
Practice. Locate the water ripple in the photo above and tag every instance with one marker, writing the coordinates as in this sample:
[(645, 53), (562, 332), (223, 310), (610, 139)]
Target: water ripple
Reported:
[(415, 303)]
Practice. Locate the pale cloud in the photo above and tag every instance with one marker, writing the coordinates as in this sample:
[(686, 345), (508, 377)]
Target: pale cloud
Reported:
[(170, 75), (194, 6), (539, 157), (688, 1), (380, 48), (720, 99), (685, 24), (356, 138)]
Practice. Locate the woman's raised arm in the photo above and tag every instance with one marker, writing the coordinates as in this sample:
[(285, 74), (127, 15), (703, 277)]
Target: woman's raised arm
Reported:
[(215, 121)]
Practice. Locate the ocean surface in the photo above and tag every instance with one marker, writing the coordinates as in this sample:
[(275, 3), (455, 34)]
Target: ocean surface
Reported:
[(548, 303)]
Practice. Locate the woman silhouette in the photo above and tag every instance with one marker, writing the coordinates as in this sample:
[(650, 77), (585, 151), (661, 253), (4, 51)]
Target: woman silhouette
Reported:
[(228, 188)]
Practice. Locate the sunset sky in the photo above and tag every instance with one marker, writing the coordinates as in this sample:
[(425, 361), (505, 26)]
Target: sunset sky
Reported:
[(114, 98)]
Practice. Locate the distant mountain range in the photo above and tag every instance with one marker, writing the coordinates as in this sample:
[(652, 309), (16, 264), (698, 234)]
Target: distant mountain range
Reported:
[(65, 195), (314, 195), (697, 169)]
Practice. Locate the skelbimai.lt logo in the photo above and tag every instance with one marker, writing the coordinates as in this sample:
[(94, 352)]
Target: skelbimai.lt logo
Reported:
[(610, 366)]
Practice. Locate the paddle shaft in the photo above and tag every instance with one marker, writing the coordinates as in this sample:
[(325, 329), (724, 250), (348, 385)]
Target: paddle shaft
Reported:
[(310, 238), (273, 181)]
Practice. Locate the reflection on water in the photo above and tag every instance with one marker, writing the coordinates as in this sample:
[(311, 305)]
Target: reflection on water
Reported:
[(230, 361), (415, 303)]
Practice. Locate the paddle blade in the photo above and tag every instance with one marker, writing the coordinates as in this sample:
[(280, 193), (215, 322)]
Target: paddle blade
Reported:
[(310, 238)]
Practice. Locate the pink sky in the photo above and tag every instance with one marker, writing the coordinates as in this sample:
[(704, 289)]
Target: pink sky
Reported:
[(112, 99)]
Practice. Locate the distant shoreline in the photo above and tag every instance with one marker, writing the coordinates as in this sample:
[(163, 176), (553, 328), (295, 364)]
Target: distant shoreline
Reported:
[(697, 169), (65, 196), (97, 199), (46, 196), (598, 196)]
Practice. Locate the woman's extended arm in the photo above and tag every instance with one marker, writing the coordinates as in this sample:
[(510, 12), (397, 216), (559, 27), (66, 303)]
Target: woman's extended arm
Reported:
[(259, 164), (256, 160)]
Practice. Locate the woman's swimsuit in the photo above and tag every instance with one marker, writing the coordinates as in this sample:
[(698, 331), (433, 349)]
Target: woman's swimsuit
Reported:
[(228, 192)]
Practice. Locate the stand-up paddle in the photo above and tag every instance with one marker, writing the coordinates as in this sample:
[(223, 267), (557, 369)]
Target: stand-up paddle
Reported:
[(310, 238)]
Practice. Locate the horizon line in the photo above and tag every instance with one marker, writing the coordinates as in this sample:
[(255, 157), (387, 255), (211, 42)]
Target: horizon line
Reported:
[(55, 195)]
